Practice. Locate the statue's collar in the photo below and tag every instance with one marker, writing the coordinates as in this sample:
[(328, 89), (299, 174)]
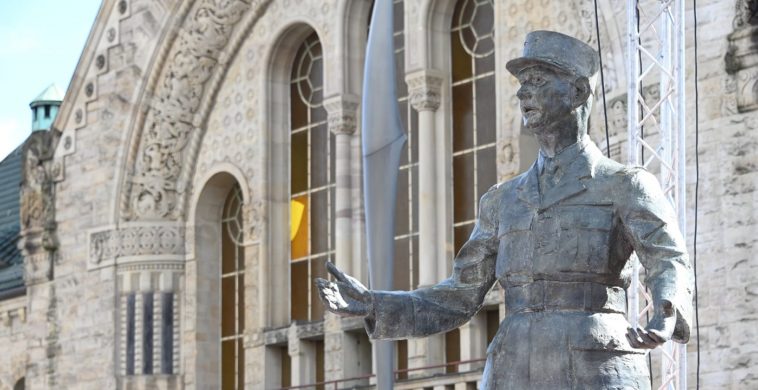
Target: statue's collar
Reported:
[(566, 156), (576, 163)]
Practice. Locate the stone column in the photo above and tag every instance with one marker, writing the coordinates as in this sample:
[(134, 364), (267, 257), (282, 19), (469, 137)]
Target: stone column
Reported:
[(424, 90), (302, 359), (39, 246), (474, 341), (342, 111)]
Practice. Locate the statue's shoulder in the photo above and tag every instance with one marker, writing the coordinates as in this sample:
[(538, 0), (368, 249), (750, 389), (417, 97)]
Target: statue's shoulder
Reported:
[(605, 167), (509, 184), (637, 182), (499, 192)]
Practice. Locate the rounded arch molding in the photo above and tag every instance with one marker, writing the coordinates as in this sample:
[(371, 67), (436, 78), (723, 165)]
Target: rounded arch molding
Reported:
[(183, 80), (172, 112)]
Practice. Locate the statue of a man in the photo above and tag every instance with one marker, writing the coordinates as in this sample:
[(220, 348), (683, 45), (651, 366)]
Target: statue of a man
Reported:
[(558, 239)]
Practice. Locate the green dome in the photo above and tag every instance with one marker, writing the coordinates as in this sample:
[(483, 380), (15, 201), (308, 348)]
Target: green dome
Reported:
[(45, 108), (51, 94)]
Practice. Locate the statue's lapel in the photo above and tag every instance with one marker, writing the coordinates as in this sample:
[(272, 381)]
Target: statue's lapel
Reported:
[(529, 188), (571, 182), (566, 188)]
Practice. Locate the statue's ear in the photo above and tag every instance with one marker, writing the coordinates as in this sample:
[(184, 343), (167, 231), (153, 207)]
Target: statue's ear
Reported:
[(582, 91)]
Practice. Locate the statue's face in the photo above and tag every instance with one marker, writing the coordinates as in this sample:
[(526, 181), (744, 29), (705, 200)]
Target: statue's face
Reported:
[(545, 96)]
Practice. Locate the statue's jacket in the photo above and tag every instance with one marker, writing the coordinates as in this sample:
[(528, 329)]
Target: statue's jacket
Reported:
[(561, 255)]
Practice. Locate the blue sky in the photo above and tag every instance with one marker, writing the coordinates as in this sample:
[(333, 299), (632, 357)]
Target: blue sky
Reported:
[(40, 44)]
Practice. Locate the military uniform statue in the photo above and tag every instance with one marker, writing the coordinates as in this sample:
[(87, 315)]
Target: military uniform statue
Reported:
[(558, 240)]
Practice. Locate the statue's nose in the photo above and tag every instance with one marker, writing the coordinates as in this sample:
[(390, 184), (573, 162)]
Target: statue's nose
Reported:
[(523, 93)]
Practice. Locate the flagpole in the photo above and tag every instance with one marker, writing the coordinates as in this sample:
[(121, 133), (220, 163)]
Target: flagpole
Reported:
[(382, 142)]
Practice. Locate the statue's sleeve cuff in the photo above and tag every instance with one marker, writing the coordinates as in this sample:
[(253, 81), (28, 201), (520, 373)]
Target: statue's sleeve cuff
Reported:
[(683, 312), (683, 320), (391, 317)]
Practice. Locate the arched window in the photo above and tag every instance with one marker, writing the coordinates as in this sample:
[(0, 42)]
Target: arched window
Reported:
[(406, 273), (473, 88), (311, 182), (232, 293), (406, 217), (473, 85)]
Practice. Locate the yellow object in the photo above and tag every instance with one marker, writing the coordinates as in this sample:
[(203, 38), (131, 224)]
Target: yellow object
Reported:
[(296, 217)]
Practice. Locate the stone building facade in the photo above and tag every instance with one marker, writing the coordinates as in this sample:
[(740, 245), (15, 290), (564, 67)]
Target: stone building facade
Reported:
[(206, 161)]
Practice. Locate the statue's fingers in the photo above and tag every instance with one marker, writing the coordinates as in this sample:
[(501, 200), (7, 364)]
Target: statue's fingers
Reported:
[(356, 284), (324, 288), (331, 297), (634, 339), (339, 275), (647, 341), (321, 283), (348, 290), (656, 336)]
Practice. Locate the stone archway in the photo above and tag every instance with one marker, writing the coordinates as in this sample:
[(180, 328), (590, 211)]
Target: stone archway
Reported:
[(182, 84)]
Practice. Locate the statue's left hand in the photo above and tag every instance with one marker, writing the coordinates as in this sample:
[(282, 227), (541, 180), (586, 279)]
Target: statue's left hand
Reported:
[(345, 296), (658, 330)]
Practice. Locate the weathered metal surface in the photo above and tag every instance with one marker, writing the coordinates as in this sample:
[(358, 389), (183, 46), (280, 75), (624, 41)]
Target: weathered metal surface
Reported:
[(558, 239)]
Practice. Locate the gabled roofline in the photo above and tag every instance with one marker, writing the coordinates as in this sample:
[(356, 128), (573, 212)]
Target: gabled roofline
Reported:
[(85, 59)]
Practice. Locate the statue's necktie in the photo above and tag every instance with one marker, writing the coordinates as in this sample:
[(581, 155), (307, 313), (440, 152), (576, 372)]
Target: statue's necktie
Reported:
[(548, 177)]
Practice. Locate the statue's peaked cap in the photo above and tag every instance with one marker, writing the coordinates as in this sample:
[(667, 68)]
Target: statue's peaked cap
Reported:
[(558, 50)]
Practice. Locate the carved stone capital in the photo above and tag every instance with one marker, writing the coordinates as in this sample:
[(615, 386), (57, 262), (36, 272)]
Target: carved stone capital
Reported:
[(424, 89), (342, 111)]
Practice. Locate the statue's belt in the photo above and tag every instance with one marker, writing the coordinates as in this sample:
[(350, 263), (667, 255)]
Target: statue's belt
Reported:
[(546, 295)]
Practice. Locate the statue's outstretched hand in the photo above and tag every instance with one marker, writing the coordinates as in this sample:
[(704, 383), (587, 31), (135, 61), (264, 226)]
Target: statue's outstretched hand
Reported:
[(658, 330), (346, 296)]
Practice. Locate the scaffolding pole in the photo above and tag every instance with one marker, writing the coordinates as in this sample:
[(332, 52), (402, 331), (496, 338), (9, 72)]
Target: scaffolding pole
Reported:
[(655, 56)]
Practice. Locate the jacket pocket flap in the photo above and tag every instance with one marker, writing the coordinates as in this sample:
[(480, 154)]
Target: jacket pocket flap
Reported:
[(586, 217), (514, 223)]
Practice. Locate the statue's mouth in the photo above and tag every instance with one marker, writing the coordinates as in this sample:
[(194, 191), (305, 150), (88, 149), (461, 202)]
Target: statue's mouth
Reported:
[(528, 109)]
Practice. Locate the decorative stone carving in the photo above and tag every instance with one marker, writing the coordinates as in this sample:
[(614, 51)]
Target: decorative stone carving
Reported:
[(746, 14), (174, 113), (741, 58), (153, 240), (37, 208), (424, 89), (342, 112), (617, 117), (152, 266), (586, 31), (37, 268), (747, 89), (729, 98), (253, 218)]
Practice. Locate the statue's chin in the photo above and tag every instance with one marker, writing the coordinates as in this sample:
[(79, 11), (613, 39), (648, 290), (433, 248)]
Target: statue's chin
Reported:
[(532, 120)]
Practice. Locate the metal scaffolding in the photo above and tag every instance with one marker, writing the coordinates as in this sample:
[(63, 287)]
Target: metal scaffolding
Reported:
[(655, 58)]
